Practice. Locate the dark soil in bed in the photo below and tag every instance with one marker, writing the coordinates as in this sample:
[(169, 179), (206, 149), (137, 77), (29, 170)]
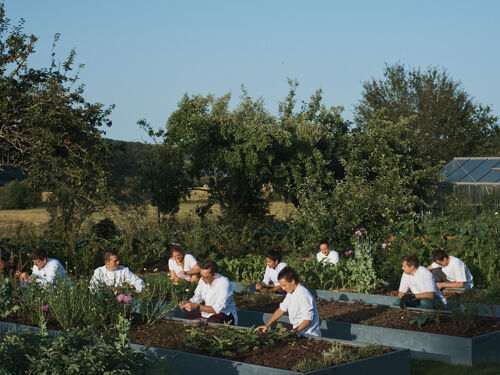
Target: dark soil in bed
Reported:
[(360, 313), (285, 355)]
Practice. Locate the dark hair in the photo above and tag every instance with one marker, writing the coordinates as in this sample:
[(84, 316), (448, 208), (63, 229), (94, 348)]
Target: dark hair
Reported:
[(440, 255), (289, 274), (274, 254), (210, 265), (108, 254), (411, 260), (38, 253), (324, 241)]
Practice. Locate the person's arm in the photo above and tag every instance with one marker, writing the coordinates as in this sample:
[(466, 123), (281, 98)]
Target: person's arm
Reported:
[(401, 294), (277, 314), (275, 289), (425, 295), (48, 275), (335, 257), (429, 267), (456, 284), (306, 323), (133, 279), (196, 299), (173, 276), (193, 271)]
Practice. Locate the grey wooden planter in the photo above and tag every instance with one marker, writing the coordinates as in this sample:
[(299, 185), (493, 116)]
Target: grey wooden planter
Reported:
[(452, 349), (182, 363), (374, 299)]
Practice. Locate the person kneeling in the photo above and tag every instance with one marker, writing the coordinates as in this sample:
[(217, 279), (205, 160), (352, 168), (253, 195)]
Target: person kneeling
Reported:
[(274, 266), (299, 303), (217, 293), (421, 283), (450, 272), (46, 271)]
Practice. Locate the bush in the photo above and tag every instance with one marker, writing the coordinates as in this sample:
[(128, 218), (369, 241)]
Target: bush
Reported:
[(19, 195), (105, 228)]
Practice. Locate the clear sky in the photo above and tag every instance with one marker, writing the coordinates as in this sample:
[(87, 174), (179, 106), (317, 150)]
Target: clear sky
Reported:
[(144, 55)]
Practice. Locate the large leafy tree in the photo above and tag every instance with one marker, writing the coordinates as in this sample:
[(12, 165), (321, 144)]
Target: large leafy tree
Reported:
[(446, 120), (232, 148), (49, 131)]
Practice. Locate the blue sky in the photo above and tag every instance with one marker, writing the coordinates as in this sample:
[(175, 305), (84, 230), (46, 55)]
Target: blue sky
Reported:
[(143, 56)]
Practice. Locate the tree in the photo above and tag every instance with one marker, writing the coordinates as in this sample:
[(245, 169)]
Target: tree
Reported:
[(449, 123), (233, 149), (49, 131)]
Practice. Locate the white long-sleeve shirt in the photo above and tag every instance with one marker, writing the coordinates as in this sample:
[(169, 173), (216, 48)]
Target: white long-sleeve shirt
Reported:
[(219, 296), (301, 306), (47, 275), (332, 257), (117, 278), (271, 274)]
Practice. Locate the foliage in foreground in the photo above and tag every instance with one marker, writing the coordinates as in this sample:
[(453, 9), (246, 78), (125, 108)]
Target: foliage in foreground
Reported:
[(78, 352), (431, 367)]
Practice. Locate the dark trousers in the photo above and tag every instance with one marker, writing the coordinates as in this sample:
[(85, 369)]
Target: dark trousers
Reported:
[(215, 318), (439, 275)]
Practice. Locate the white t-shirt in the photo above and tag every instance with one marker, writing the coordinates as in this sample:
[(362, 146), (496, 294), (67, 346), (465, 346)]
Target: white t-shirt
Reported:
[(301, 306), (332, 257), (456, 270), (271, 274), (421, 281), (47, 275), (219, 295), (117, 278), (189, 262)]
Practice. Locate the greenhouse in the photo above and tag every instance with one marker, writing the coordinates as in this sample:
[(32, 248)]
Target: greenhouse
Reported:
[(472, 182)]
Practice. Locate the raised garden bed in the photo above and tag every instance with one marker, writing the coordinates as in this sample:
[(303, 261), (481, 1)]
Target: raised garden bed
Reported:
[(256, 361), (489, 310)]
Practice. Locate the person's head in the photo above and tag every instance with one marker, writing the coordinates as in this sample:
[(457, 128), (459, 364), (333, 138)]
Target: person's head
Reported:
[(177, 252), (288, 279), (273, 257), (111, 260), (208, 271), (409, 264), (39, 257), (324, 246), (441, 258)]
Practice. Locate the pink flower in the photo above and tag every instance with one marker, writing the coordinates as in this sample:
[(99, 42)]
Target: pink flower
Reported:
[(389, 244), (349, 252), (45, 308), (358, 233), (123, 298), (384, 245)]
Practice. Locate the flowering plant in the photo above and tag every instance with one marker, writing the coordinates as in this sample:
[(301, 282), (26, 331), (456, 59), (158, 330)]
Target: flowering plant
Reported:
[(45, 308), (123, 298)]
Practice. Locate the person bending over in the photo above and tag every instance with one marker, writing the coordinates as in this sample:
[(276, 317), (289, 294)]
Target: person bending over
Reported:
[(183, 266), (450, 272), (216, 291), (325, 255), (274, 266), (114, 275), (46, 271), (299, 303), (419, 280)]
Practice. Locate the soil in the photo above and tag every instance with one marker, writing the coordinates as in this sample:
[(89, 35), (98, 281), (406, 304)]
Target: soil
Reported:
[(170, 334), (380, 316)]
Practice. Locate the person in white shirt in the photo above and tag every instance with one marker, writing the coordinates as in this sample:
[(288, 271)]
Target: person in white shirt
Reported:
[(46, 271), (325, 255), (450, 272), (183, 266), (299, 303), (421, 283), (112, 274), (216, 291), (274, 266)]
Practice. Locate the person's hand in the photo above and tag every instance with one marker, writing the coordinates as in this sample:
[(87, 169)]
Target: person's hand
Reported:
[(182, 304), (261, 328), (405, 300), (182, 273), (440, 285), (190, 306), (258, 287)]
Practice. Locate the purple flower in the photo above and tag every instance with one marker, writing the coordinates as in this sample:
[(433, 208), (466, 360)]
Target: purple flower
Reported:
[(358, 233), (349, 252), (45, 308), (123, 298)]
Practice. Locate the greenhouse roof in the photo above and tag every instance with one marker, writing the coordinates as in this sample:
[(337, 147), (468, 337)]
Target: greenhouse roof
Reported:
[(473, 171)]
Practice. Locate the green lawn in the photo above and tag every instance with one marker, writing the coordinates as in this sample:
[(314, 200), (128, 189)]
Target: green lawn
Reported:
[(430, 367)]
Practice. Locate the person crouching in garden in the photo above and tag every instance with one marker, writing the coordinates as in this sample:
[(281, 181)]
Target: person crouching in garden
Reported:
[(182, 266), (419, 280), (113, 275), (46, 271), (299, 303), (274, 266), (325, 255), (450, 272), (217, 293)]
